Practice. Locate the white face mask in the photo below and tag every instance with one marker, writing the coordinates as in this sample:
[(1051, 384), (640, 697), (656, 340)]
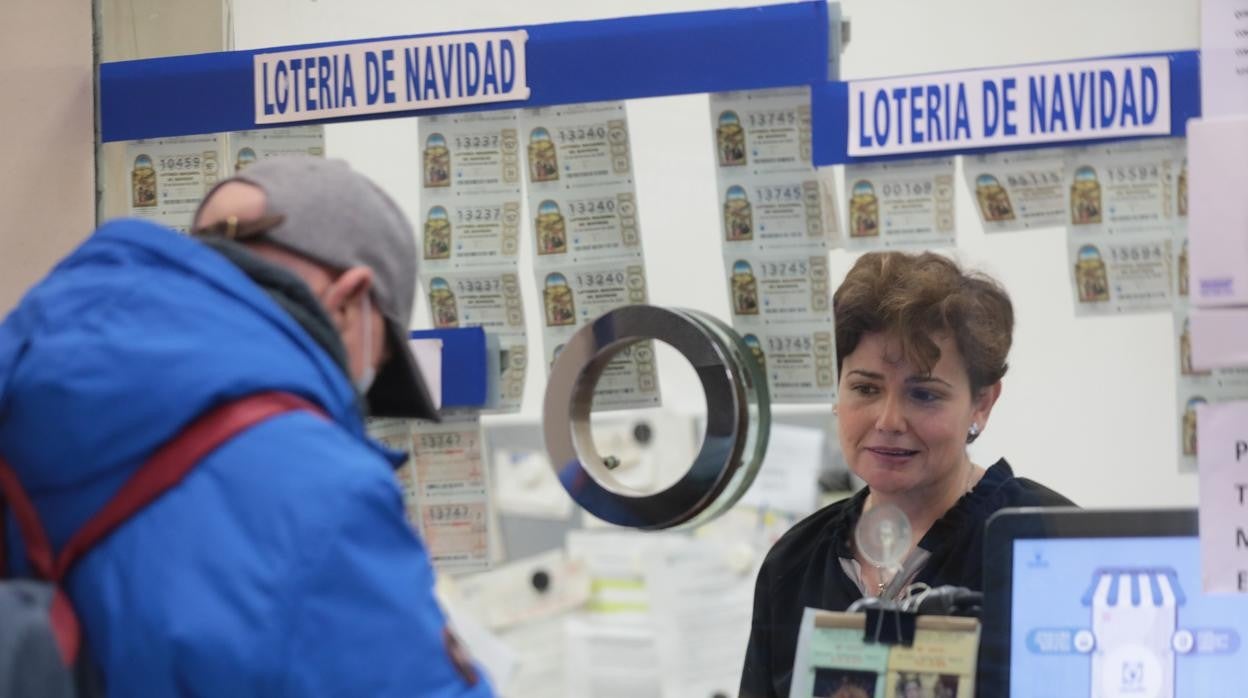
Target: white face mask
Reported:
[(365, 381)]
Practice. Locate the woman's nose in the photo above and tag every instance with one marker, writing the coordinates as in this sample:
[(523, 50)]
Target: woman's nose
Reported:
[(890, 419)]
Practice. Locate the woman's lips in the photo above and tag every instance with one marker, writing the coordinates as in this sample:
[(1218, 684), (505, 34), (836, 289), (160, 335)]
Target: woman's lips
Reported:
[(892, 456)]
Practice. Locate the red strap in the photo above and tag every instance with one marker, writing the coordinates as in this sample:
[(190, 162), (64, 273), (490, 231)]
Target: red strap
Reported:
[(65, 628), (172, 462), (165, 469), (38, 551)]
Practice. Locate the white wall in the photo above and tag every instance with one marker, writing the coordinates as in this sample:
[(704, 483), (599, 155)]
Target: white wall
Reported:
[(46, 153), (1088, 406)]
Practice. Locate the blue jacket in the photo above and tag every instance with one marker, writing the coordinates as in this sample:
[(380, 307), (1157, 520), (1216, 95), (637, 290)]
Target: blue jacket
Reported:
[(282, 565)]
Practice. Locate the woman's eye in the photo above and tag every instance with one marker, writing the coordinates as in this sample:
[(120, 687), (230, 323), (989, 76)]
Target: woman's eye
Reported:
[(865, 389), (924, 395)]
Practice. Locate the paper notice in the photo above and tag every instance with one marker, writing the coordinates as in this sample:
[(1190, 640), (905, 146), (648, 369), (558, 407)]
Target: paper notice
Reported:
[(701, 606), (1223, 57), (611, 661), (1223, 434), (788, 479)]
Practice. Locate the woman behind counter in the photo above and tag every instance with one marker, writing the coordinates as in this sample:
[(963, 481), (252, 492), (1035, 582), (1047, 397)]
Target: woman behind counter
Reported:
[(921, 350)]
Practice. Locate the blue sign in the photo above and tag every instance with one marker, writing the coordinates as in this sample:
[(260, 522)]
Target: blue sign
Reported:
[(324, 82), (1001, 108), (562, 63)]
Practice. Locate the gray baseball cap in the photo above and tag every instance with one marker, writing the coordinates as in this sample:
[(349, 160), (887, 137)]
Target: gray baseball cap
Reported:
[(325, 211)]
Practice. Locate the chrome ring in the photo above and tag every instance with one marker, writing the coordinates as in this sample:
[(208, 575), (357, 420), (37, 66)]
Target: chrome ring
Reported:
[(738, 418)]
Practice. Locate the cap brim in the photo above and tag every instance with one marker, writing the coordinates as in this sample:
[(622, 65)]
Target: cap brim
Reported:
[(399, 390)]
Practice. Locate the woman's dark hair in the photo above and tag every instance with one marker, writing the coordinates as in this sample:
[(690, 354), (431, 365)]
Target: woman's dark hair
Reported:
[(916, 296)]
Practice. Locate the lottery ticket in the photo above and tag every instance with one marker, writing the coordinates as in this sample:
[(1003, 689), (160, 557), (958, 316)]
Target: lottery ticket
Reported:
[(904, 203), (578, 296), (477, 152), (769, 213), (575, 146), (1121, 188), (763, 131), (782, 289), (246, 147), (1019, 189), (1117, 274), (584, 225), (169, 177)]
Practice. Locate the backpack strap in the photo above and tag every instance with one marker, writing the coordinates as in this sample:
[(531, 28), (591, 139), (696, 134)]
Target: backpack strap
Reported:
[(162, 471)]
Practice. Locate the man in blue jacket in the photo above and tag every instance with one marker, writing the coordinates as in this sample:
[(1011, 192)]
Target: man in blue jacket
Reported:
[(282, 565)]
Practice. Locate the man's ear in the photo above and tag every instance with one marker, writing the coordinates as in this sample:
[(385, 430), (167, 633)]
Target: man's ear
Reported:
[(342, 297)]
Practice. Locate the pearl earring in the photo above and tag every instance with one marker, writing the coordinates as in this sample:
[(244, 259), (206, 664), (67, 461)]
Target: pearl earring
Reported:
[(974, 430)]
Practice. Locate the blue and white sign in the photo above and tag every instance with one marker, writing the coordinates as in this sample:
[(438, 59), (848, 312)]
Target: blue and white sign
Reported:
[(375, 77), (1002, 107)]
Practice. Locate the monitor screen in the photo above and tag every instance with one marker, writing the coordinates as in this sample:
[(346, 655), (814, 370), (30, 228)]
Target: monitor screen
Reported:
[(1122, 617)]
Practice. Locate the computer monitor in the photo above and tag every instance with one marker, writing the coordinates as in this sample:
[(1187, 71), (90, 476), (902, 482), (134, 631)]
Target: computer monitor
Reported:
[(1105, 604)]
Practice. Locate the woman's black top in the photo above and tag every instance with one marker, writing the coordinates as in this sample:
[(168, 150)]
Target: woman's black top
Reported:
[(803, 569)]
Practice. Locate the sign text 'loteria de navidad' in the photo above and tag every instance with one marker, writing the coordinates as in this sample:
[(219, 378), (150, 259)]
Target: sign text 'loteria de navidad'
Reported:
[(1002, 107), (424, 72)]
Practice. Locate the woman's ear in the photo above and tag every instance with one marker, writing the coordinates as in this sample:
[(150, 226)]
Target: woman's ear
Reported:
[(983, 402)]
